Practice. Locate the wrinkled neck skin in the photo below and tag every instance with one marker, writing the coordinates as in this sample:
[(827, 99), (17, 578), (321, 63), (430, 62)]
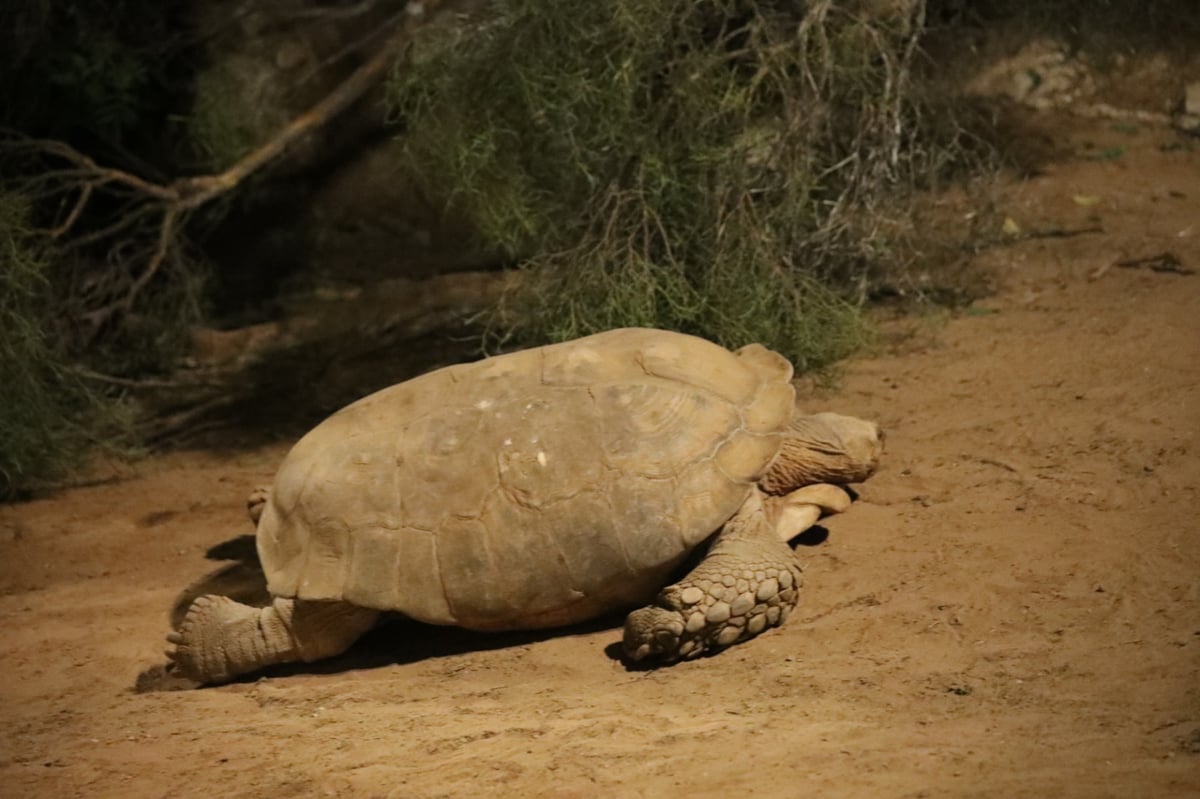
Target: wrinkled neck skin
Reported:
[(824, 448)]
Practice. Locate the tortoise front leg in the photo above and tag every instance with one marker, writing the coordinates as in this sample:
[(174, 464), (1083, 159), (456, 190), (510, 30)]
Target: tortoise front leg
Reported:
[(794, 513), (749, 581), (220, 638)]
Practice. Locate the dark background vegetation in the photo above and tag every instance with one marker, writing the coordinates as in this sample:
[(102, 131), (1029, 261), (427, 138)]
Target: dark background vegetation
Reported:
[(740, 170)]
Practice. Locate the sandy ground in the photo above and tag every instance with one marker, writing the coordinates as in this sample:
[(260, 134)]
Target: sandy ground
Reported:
[(1012, 608)]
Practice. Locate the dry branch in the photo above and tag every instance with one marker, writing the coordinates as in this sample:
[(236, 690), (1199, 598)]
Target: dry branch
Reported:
[(174, 200)]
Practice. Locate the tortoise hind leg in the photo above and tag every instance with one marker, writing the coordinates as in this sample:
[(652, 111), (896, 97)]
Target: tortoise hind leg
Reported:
[(220, 638), (749, 581), (256, 503)]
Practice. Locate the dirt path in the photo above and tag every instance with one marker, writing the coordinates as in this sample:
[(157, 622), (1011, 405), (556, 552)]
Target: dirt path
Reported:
[(1011, 609)]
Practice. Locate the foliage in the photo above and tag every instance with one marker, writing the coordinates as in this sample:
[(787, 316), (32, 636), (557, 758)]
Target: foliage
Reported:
[(229, 117), (101, 73), (706, 166), (103, 78), (50, 414)]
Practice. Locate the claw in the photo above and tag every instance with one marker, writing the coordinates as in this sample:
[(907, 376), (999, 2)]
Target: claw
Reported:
[(174, 638)]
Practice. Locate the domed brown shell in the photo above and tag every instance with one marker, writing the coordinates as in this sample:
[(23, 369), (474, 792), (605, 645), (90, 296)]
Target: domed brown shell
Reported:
[(531, 489)]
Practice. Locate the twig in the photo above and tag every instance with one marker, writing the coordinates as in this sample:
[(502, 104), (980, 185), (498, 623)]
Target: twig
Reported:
[(1061, 233), (166, 235), (85, 194), (1163, 262), (109, 231), (144, 382), (97, 173)]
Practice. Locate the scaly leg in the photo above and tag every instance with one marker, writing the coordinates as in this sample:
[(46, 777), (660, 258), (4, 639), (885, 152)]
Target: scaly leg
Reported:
[(220, 638), (748, 581), (794, 513)]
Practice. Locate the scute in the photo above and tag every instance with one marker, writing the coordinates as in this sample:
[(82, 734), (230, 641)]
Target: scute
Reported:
[(743, 456), (546, 453), (654, 429), (534, 488)]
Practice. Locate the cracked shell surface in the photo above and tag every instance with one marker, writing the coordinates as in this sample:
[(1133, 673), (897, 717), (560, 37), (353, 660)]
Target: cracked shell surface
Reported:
[(532, 489)]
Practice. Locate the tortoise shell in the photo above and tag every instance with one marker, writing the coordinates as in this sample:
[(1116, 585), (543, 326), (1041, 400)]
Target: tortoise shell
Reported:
[(532, 489)]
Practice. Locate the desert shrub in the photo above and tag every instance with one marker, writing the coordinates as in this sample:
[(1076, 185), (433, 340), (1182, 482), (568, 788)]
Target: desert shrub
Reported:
[(722, 168), (50, 415), (230, 116)]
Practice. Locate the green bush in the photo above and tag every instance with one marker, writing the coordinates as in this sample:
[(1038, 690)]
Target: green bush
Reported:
[(49, 415), (713, 167)]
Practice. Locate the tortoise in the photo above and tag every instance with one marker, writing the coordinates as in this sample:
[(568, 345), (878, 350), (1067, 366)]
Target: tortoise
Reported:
[(542, 488)]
